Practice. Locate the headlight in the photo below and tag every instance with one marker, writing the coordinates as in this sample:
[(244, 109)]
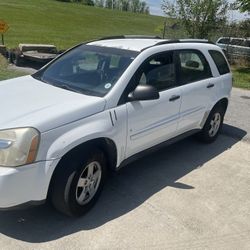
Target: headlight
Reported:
[(18, 146)]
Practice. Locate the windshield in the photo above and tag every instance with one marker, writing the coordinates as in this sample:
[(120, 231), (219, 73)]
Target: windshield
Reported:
[(88, 69)]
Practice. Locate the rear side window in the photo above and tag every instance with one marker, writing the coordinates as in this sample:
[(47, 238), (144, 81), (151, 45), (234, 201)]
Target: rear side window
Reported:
[(247, 43), (224, 41), (219, 61), (238, 42), (193, 66)]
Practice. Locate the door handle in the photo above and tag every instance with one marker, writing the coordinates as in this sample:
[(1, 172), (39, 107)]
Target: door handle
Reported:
[(210, 85), (174, 98)]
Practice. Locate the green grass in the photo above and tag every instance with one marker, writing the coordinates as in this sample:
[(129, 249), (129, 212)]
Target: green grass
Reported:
[(6, 73), (66, 24), (241, 77)]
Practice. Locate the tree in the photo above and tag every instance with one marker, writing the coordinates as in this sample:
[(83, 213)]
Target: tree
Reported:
[(109, 4), (199, 17), (88, 2), (100, 3), (125, 5), (136, 6), (243, 5)]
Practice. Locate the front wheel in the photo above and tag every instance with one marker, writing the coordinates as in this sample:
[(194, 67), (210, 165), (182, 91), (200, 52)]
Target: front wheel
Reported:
[(213, 125), (78, 182)]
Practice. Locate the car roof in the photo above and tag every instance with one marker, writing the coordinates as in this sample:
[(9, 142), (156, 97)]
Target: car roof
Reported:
[(128, 44), (139, 44)]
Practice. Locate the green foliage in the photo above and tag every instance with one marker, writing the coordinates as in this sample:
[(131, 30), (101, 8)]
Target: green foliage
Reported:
[(241, 77), (237, 29), (199, 17), (136, 6), (171, 30), (86, 2), (243, 5), (244, 27)]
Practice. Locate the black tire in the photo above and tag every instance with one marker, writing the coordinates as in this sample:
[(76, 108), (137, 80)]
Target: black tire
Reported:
[(64, 189), (206, 134)]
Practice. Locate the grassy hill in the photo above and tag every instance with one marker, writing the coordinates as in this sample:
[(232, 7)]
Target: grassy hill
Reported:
[(66, 24)]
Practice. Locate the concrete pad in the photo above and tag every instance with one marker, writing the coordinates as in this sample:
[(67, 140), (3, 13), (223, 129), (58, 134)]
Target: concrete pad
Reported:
[(238, 114), (186, 196)]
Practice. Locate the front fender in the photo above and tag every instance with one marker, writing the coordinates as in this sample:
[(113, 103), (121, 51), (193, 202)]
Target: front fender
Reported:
[(57, 142)]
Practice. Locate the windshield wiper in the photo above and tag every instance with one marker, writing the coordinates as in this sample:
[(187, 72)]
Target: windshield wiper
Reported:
[(67, 87)]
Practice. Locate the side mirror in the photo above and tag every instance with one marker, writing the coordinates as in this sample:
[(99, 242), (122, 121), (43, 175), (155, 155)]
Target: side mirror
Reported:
[(144, 93)]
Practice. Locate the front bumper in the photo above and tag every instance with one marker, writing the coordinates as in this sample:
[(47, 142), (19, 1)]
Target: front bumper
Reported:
[(26, 184)]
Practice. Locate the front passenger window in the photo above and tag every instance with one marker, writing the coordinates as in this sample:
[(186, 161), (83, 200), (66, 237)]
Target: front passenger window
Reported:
[(159, 72)]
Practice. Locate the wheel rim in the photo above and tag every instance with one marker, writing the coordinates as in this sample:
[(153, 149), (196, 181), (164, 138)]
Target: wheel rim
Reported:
[(214, 124), (88, 183)]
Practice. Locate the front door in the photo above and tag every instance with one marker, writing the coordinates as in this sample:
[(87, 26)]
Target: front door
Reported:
[(152, 122)]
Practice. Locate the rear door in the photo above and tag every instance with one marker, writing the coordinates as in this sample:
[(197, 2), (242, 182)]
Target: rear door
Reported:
[(198, 89)]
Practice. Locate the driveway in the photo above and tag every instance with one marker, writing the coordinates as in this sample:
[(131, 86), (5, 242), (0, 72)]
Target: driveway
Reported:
[(238, 114), (186, 196)]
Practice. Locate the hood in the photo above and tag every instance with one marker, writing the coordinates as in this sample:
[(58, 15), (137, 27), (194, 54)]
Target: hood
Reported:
[(27, 102)]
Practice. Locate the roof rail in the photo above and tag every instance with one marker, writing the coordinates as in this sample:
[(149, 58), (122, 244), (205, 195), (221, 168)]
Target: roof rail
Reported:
[(179, 41), (184, 41), (142, 37), (130, 37), (162, 43), (195, 41)]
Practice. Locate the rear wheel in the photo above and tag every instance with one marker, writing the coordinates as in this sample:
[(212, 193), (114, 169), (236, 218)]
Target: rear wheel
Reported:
[(78, 182), (213, 125)]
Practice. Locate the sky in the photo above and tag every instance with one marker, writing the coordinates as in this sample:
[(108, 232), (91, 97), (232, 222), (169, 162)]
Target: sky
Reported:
[(155, 9)]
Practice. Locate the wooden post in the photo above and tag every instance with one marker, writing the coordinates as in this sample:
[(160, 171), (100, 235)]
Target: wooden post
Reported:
[(164, 28), (2, 39)]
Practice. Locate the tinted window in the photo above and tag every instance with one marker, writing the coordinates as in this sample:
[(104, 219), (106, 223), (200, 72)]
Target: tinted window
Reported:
[(192, 66), (158, 71), (219, 61), (247, 43), (238, 42), (88, 69), (224, 40)]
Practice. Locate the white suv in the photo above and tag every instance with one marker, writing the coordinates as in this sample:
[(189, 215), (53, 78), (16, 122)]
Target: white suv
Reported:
[(99, 106)]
